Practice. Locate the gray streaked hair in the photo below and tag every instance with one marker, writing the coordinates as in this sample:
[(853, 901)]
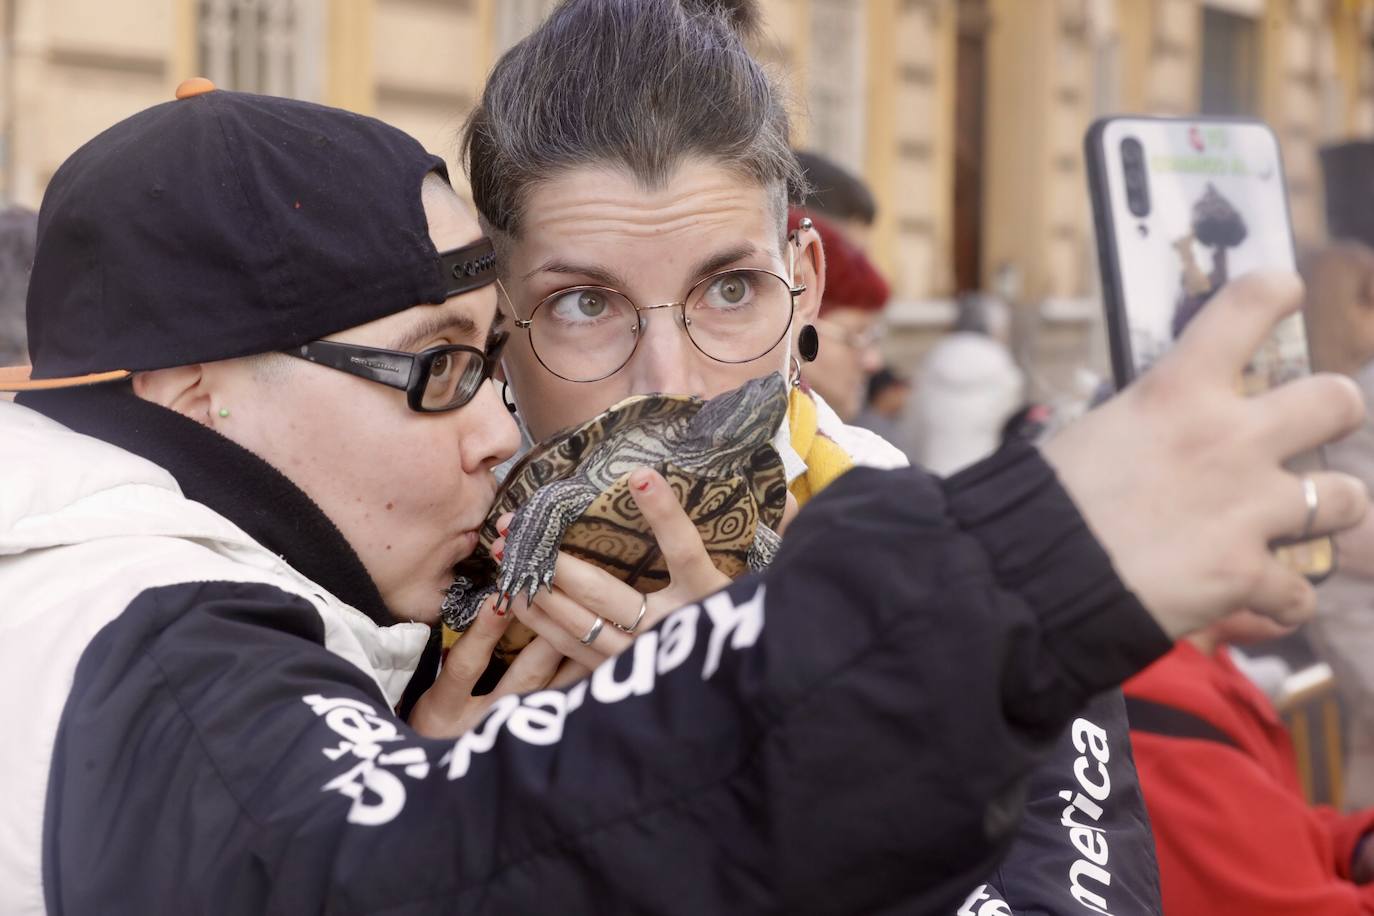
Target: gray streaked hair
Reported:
[(18, 238), (636, 84)]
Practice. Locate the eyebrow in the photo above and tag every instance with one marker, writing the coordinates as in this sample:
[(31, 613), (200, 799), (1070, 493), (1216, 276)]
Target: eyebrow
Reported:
[(602, 276), (724, 259), (458, 324)]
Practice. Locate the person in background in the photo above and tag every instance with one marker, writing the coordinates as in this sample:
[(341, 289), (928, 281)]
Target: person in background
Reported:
[(1339, 313), (1340, 318), (885, 404), (849, 324), (839, 197), (1233, 832), (967, 389), (18, 232)]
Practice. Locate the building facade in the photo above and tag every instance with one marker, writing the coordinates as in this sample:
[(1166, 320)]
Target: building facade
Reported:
[(965, 116)]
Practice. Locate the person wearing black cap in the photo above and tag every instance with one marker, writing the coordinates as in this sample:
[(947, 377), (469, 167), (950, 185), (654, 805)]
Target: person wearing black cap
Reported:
[(257, 431)]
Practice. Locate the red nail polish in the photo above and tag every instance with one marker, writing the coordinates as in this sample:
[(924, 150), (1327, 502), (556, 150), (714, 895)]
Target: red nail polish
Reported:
[(642, 485)]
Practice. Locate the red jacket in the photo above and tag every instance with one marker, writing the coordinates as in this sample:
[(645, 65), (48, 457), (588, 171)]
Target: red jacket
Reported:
[(1232, 829)]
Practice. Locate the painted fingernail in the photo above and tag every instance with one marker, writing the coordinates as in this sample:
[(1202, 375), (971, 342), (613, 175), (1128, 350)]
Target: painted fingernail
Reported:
[(498, 549), (640, 480)]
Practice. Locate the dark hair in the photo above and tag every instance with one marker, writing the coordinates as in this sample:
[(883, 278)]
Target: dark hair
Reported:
[(18, 236), (836, 192), (641, 84)]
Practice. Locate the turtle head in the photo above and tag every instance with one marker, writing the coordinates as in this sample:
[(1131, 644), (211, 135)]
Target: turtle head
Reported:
[(745, 418)]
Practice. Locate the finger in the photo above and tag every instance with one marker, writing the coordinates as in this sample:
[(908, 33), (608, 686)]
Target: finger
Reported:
[(588, 586), (789, 512), (503, 522), (1282, 594), (677, 535), (1307, 413), (567, 642), (568, 674), (532, 669), (470, 655), (1225, 335), (1342, 502)]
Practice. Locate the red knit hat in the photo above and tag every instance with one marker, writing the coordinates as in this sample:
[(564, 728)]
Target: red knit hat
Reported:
[(851, 280)]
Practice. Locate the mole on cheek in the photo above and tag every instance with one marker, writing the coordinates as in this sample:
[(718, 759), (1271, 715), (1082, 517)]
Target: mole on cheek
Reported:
[(389, 507)]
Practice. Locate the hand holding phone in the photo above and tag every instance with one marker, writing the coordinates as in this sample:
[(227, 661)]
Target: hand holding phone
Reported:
[(1181, 208)]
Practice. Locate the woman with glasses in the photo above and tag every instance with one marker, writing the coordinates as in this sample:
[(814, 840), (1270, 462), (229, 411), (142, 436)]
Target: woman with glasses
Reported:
[(641, 215)]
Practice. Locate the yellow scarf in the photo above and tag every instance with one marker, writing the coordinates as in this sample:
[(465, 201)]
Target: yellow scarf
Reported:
[(825, 460)]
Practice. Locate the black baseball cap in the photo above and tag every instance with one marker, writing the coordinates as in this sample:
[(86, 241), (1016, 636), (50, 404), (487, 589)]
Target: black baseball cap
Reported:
[(227, 224)]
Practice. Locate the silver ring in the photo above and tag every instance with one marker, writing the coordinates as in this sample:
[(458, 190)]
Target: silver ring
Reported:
[(594, 632), (1309, 495), (643, 608)]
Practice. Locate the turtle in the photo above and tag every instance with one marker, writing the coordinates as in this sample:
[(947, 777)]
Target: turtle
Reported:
[(571, 493)]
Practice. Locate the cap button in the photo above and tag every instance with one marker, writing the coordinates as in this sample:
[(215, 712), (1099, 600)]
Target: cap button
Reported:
[(196, 85)]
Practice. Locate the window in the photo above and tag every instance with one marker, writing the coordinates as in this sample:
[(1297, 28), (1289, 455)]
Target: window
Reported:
[(268, 46), (838, 93), (1230, 63)]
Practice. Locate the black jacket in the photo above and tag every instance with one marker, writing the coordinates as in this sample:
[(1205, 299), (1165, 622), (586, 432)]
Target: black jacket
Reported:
[(850, 732)]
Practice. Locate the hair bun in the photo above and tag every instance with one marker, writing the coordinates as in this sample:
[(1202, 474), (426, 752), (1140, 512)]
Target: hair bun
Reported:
[(743, 15)]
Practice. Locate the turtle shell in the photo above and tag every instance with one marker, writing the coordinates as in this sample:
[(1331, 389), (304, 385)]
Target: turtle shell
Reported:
[(612, 533)]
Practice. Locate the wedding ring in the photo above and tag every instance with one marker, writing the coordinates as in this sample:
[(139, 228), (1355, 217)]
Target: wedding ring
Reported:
[(643, 608), (594, 632), (1309, 495)]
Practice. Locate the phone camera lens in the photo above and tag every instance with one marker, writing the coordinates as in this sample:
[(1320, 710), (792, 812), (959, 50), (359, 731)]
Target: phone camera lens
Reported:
[(1133, 171)]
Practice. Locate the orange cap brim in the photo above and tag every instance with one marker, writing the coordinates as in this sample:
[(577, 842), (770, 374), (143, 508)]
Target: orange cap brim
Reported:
[(17, 378)]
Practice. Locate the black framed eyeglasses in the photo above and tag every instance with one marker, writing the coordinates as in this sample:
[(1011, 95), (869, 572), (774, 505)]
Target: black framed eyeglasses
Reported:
[(434, 380)]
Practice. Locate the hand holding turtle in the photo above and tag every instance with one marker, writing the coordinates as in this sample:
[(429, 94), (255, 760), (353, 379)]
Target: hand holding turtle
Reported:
[(448, 708), (566, 614)]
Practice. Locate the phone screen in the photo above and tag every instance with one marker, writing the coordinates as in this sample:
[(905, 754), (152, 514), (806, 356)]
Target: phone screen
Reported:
[(1182, 207)]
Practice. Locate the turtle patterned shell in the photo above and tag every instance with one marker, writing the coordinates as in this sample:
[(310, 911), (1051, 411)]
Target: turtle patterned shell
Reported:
[(728, 496), (611, 533)]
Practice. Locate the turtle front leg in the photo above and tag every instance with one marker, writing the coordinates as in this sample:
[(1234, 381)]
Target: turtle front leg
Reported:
[(462, 602), (535, 533), (765, 547)]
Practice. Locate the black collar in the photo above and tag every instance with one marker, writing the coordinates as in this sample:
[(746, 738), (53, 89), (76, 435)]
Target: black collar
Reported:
[(224, 476)]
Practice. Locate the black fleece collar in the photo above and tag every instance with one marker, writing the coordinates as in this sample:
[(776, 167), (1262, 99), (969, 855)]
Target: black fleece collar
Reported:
[(224, 476)]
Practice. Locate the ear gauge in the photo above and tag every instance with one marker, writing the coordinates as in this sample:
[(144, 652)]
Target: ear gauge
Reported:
[(808, 343)]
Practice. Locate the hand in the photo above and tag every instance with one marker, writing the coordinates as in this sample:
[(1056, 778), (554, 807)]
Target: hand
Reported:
[(1181, 477), (448, 708), (1362, 868), (582, 592)]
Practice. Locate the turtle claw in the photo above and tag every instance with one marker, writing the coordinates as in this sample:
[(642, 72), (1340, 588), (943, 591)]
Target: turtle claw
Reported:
[(463, 602)]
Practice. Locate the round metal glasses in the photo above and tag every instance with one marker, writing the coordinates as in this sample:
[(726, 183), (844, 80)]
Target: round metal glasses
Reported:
[(588, 333)]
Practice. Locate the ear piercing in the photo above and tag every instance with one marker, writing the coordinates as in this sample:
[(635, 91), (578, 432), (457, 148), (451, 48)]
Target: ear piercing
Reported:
[(223, 412)]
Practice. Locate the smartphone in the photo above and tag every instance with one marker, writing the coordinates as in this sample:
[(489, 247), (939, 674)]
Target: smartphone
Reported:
[(1180, 207)]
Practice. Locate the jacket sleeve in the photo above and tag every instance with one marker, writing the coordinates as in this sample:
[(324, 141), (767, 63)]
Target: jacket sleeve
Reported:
[(851, 732), (1085, 841), (1347, 831), (1230, 836)]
